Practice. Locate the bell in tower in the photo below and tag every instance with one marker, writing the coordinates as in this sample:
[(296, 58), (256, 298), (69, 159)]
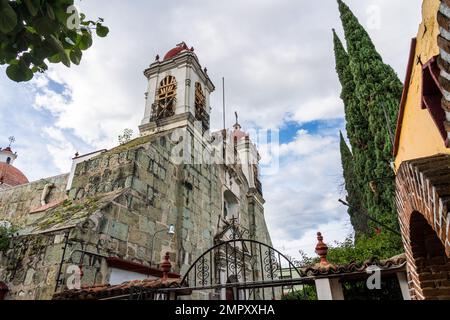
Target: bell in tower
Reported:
[(178, 92), (166, 99)]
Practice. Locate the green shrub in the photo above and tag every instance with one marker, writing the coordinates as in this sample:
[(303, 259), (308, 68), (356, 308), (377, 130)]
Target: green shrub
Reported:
[(5, 236), (382, 246), (307, 293)]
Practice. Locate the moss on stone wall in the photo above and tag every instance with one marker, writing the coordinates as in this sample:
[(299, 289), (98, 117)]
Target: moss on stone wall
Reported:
[(68, 211), (4, 238), (16, 203), (129, 145)]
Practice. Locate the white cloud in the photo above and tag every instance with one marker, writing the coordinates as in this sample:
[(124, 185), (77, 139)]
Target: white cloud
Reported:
[(277, 59), (303, 197), (335, 231), (59, 148), (40, 81), (323, 108), (50, 100), (305, 144)]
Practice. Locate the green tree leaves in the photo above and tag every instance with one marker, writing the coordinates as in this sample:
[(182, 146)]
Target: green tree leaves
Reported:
[(36, 32), (126, 136), (85, 40), (62, 55), (19, 72), (75, 56), (382, 246), (32, 6), (354, 196), (45, 26), (8, 17), (369, 88), (50, 12), (102, 31)]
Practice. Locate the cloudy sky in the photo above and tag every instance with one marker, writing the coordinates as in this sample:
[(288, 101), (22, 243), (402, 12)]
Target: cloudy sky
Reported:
[(277, 58)]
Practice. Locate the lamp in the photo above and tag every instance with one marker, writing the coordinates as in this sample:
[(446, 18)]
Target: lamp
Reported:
[(170, 231)]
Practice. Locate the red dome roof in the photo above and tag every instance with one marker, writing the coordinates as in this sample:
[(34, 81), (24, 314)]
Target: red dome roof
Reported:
[(7, 149), (11, 176), (238, 134), (182, 47)]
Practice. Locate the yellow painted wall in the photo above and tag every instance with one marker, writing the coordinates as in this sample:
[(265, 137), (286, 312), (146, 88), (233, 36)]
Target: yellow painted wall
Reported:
[(419, 136)]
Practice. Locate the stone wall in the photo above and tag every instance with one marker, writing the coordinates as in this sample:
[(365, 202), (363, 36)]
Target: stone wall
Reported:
[(16, 203), (132, 192), (30, 267), (120, 229), (257, 223), (200, 204)]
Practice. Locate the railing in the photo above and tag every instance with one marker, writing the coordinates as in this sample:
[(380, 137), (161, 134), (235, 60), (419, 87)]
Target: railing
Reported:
[(242, 269)]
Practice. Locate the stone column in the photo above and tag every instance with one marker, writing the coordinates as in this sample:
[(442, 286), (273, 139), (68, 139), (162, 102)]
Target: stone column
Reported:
[(329, 289)]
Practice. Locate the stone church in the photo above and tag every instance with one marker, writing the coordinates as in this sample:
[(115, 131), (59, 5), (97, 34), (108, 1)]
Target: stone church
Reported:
[(178, 188)]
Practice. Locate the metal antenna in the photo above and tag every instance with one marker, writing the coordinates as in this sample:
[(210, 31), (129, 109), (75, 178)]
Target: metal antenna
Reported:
[(224, 108), (224, 132)]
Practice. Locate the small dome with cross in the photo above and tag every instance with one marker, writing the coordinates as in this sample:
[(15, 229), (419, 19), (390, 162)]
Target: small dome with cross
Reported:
[(10, 176)]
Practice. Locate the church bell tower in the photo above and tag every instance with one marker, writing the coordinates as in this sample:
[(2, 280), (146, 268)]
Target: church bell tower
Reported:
[(178, 92)]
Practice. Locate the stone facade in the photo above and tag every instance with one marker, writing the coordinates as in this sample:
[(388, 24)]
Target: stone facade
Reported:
[(116, 203)]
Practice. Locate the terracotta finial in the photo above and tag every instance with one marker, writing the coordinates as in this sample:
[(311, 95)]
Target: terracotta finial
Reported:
[(166, 266), (322, 250)]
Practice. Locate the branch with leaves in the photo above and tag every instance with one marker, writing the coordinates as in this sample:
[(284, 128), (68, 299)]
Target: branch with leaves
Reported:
[(35, 32), (126, 136)]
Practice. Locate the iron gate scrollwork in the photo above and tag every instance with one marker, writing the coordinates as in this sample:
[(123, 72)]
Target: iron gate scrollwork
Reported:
[(243, 269)]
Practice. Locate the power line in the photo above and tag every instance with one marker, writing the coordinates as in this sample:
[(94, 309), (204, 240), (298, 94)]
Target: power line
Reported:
[(370, 218)]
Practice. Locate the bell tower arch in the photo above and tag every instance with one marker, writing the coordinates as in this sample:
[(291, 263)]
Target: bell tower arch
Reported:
[(178, 92)]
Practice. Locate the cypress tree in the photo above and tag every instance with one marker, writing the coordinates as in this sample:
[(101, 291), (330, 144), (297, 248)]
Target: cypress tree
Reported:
[(357, 124), (377, 92), (357, 131), (354, 198)]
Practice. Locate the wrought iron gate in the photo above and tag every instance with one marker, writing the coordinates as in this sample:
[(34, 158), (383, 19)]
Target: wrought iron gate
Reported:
[(243, 269)]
